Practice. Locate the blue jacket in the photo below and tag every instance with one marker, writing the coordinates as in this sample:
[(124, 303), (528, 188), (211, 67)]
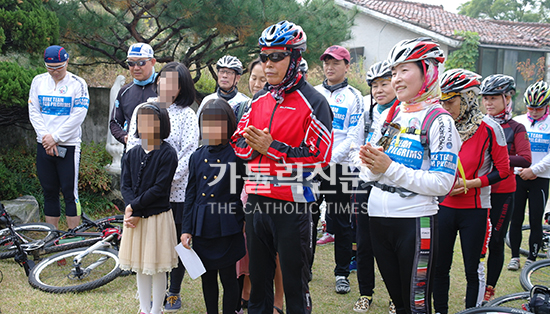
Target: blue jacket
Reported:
[(213, 206)]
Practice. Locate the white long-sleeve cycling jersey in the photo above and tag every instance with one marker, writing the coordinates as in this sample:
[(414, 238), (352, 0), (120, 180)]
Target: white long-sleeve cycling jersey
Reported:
[(429, 175), (347, 106), (360, 137), (539, 138), (58, 109)]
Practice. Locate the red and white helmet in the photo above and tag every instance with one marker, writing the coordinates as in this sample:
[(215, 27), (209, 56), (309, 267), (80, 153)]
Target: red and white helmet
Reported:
[(459, 81), (410, 50)]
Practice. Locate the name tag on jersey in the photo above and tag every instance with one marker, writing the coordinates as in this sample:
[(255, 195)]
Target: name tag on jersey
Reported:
[(353, 119), (339, 117), (408, 152), (55, 105), (443, 162), (539, 142)]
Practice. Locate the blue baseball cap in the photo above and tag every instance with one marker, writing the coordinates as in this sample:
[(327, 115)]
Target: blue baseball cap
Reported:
[(140, 50), (55, 54)]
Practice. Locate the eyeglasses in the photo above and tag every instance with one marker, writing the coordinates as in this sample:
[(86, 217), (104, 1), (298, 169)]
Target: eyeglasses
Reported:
[(441, 101), (536, 109), (226, 72), (57, 67), (138, 63), (274, 56)]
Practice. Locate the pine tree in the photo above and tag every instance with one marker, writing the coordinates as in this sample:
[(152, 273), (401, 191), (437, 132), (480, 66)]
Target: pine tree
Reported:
[(194, 32), (26, 29)]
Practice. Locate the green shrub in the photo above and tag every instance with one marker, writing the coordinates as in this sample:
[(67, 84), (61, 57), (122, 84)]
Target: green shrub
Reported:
[(15, 83), (468, 53), (207, 84), (92, 175), (18, 176)]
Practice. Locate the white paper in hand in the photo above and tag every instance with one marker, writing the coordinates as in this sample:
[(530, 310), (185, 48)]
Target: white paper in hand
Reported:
[(191, 261)]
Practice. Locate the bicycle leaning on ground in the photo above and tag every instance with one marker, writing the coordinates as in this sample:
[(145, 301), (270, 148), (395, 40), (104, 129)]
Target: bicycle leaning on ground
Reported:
[(39, 239), (80, 269), (76, 270)]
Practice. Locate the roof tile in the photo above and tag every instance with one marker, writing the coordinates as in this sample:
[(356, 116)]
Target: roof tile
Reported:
[(435, 18)]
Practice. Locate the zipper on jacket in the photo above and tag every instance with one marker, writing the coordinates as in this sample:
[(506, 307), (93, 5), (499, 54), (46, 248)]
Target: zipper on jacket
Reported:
[(269, 128)]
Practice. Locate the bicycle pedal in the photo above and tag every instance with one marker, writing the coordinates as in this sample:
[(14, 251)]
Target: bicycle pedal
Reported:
[(62, 262)]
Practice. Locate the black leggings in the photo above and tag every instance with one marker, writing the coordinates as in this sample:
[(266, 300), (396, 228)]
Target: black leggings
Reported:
[(404, 249), (364, 255), (338, 217), (177, 274), (537, 193), (472, 226), (502, 206), (231, 296), (56, 173)]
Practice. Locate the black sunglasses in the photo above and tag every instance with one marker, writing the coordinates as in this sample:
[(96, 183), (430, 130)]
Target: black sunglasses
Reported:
[(275, 56), (139, 63)]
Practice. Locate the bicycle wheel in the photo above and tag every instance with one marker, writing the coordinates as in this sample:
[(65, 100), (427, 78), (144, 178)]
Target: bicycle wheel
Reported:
[(493, 310), (57, 274), (514, 300), (536, 273), (28, 234), (524, 246)]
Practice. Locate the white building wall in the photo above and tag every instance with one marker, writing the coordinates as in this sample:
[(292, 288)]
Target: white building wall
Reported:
[(378, 37)]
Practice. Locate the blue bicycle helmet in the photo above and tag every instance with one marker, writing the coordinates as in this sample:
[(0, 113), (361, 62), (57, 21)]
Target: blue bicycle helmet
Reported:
[(284, 34)]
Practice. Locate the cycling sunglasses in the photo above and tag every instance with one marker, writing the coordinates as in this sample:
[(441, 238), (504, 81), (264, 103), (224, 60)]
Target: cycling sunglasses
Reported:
[(274, 56), (138, 63), (53, 68)]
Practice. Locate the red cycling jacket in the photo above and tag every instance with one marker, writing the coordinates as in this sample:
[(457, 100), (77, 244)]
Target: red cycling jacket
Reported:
[(301, 127), (483, 156), (519, 150)]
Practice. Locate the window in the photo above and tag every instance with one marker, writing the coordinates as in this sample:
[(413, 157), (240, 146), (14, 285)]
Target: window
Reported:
[(356, 54)]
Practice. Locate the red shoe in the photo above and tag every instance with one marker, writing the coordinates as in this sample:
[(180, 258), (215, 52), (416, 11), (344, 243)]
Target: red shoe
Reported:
[(489, 293), (326, 238)]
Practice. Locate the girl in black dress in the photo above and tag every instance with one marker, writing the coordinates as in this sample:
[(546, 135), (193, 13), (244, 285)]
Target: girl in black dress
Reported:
[(213, 212)]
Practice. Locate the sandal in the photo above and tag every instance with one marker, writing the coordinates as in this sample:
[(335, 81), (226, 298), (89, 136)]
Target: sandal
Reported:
[(278, 310)]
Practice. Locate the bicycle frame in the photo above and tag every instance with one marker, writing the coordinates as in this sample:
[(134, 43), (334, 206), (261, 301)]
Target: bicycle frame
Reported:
[(21, 255), (78, 259)]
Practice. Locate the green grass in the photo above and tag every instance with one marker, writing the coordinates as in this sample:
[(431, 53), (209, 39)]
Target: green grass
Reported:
[(119, 296)]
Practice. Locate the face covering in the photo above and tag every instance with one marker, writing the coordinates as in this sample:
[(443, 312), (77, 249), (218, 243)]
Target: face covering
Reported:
[(470, 116), (505, 115), (150, 80), (292, 77)]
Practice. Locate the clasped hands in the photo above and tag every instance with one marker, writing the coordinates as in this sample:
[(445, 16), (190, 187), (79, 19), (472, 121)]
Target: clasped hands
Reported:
[(129, 220), (258, 140), (374, 158), (50, 145)]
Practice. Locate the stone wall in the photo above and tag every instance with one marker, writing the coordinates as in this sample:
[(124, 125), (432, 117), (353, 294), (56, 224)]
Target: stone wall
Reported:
[(94, 128)]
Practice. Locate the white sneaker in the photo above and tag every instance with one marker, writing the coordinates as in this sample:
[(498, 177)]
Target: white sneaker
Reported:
[(514, 264)]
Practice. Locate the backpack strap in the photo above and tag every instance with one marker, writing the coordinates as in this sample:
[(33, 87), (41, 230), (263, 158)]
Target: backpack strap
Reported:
[(394, 110), (427, 124)]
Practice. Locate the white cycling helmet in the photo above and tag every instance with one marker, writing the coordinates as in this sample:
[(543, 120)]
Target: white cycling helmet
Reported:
[(417, 49), (303, 66), (230, 62)]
